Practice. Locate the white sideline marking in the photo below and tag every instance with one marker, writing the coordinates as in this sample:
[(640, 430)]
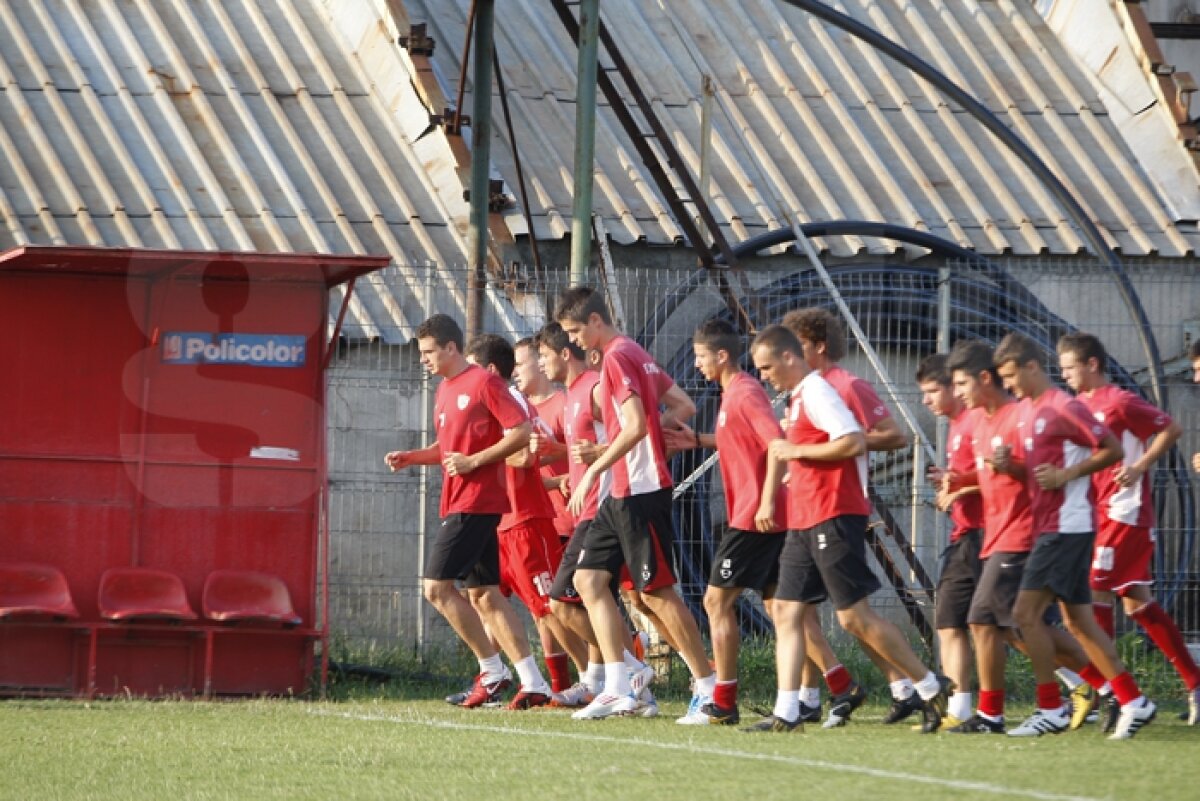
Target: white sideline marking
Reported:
[(838, 767)]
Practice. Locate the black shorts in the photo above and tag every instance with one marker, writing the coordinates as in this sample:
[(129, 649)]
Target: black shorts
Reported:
[(466, 548), (1061, 563), (637, 531), (747, 559), (996, 593), (828, 560), (961, 567)]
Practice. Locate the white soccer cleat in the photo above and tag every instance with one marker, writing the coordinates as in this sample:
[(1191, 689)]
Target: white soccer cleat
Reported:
[(1042, 722), (576, 695), (1193, 717), (694, 715), (647, 707), (1133, 718), (605, 705), (640, 679)]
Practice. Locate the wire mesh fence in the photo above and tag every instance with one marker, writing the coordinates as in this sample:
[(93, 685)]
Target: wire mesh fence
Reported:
[(379, 400)]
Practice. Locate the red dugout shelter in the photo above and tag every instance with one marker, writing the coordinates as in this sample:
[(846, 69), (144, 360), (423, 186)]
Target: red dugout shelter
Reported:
[(164, 411)]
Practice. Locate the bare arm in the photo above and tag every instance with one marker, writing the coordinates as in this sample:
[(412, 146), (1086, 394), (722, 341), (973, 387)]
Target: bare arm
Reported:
[(764, 518), (886, 436), (679, 407), (846, 446), (1130, 474), (1108, 452), (430, 454), (514, 439), (633, 429)]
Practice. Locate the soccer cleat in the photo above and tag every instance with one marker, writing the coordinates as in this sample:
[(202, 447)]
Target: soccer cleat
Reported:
[(1083, 701), (640, 679), (1042, 722), (525, 699), (575, 696), (606, 705), (1112, 711), (842, 706), (457, 698), (976, 724), (487, 693), (947, 722), (773, 723), (647, 707), (934, 709), (902, 708), (810, 714), (1193, 713), (695, 715), (721, 716), (1133, 718)]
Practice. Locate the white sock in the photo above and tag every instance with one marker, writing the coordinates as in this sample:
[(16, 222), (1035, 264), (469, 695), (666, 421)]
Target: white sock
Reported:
[(787, 705), (810, 696), (593, 677), (1069, 677), (491, 667), (1105, 690), (960, 706), (902, 689), (928, 686), (706, 686), (616, 679), (632, 662), (531, 677)]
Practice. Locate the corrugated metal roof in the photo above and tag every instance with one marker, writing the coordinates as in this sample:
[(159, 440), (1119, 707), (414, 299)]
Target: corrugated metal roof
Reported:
[(811, 122)]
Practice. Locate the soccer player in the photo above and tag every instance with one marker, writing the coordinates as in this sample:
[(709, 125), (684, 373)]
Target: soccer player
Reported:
[(748, 554), (479, 424), (1063, 446), (961, 563), (824, 554), (824, 341), (1124, 544), (633, 526)]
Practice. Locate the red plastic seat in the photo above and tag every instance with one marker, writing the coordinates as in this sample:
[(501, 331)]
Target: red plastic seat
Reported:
[(139, 593), (238, 595), (35, 590)]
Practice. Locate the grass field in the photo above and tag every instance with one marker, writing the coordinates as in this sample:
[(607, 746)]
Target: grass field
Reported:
[(425, 749)]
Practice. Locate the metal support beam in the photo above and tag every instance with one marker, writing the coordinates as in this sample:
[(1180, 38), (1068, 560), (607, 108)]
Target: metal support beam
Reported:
[(481, 137), (585, 139)]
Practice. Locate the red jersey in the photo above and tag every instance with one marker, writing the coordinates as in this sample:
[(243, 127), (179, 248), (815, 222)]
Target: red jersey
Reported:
[(1060, 431), (858, 395), (629, 370), (471, 412), (967, 511), (746, 424), (1133, 421), (819, 491), (580, 426), (550, 412), (527, 496), (1007, 516)]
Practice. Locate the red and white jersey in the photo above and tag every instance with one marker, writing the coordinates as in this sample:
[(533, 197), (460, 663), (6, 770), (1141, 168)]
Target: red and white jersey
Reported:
[(527, 496), (819, 491), (550, 412), (471, 412), (967, 511), (628, 370), (1007, 515), (858, 395), (746, 424), (1058, 430), (579, 425), (1133, 421)]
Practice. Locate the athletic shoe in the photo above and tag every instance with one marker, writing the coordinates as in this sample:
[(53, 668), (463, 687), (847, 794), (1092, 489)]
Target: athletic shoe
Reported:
[(947, 722), (695, 715), (1042, 722), (457, 698), (640, 679), (902, 708), (809, 714), (647, 707), (1112, 711), (487, 694), (721, 716), (525, 699), (935, 708), (976, 724), (1133, 718), (1193, 715), (605, 705), (575, 696), (842, 706), (772, 723), (1083, 701)]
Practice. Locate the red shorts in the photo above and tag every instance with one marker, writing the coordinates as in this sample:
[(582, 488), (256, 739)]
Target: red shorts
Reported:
[(1121, 557), (529, 555)]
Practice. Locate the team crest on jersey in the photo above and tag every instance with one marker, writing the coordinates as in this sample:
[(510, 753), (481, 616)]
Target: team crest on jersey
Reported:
[(1029, 443), (627, 381), (463, 401), (997, 441), (1099, 416), (1039, 425), (721, 419), (879, 410), (727, 569)]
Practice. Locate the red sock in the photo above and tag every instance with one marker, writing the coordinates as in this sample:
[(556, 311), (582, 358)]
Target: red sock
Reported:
[(560, 672), (1104, 616), (838, 680), (1048, 696), (991, 703), (1125, 688), (725, 694), (1166, 636), (1092, 675)]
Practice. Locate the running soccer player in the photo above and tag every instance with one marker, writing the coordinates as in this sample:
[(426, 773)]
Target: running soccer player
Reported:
[(479, 424), (633, 526), (824, 554), (1124, 544), (1063, 446)]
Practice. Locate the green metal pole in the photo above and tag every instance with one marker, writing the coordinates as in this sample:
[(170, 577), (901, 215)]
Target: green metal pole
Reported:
[(585, 140), (481, 159)]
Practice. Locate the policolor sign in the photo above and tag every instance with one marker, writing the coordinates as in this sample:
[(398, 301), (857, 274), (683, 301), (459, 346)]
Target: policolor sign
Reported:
[(256, 350)]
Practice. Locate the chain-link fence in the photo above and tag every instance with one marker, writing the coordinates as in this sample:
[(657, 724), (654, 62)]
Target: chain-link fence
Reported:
[(379, 400)]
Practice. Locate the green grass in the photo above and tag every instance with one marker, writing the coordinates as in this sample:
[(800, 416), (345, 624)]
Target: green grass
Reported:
[(424, 749)]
